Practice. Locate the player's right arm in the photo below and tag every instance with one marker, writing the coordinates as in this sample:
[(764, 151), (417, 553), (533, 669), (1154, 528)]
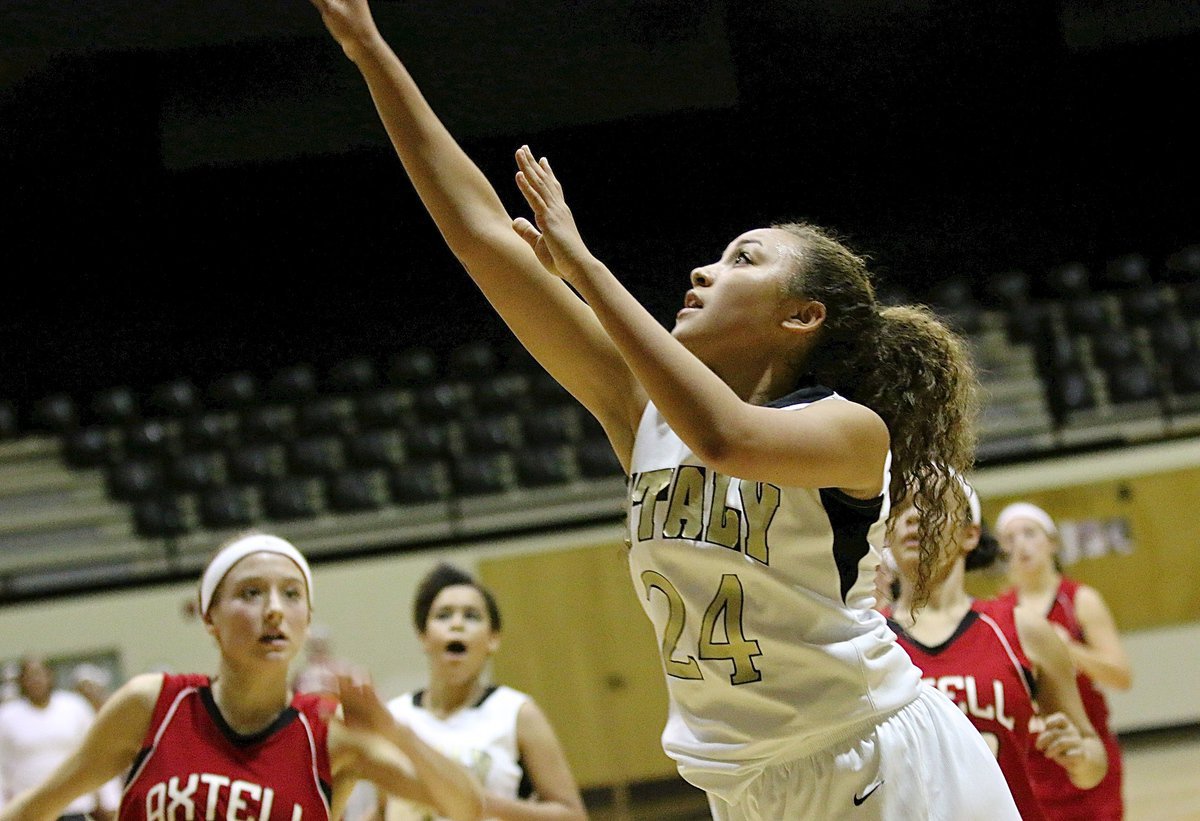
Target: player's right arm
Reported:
[(109, 748), (554, 324)]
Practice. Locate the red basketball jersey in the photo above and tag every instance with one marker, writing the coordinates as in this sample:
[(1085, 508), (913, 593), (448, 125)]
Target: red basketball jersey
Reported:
[(1061, 800), (983, 669), (194, 766)]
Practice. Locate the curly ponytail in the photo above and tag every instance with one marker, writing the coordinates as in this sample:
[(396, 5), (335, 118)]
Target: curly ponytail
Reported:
[(908, 367)]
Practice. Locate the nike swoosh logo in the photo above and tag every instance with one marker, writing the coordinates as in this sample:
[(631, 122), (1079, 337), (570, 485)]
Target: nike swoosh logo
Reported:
[(858, 799)]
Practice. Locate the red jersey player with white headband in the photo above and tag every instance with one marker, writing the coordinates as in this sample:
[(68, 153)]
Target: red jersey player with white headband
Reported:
[(241, 744)]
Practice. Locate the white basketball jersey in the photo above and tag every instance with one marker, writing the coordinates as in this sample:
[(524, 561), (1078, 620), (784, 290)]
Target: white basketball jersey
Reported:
[(761, 598), (482, 737)]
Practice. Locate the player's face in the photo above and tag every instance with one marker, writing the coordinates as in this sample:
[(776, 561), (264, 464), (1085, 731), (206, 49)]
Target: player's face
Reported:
[(36, 680), (1028, 548), (902, 539), (458, 636), (260, 610), (741, 299)]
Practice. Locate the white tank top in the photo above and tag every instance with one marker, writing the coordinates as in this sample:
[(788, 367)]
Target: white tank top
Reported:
[(482, 737), (761, 598)]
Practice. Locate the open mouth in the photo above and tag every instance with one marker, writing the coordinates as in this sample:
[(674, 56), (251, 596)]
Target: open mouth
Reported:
[(272, 638), (456, 647)]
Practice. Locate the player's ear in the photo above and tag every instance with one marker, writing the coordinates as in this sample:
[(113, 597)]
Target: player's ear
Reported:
[(807, 316)]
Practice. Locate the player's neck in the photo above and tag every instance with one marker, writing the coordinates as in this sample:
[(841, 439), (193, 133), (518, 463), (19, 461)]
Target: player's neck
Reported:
[(444, 698), (1039, 585), (250, 701)]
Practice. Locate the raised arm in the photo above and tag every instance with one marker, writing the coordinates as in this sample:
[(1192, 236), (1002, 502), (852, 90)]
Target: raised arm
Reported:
[(1068, 738), (108, 749), (555, 326), (828, 444)]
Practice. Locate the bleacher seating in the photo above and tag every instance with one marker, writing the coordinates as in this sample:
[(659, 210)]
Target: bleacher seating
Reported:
[(390, 451)]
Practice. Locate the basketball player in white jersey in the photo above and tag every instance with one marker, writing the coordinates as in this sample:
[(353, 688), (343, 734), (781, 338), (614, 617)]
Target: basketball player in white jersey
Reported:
[(498, 733), (756, 491)]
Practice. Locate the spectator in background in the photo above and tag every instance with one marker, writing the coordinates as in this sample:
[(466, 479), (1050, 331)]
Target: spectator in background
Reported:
[(319, 671), (38, 731), (1029, 539), (94, 683)]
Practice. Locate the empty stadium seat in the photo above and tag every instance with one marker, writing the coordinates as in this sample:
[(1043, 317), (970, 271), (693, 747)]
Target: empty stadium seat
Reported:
[(327, 414), (164, 516), (1069, 280), (484, 473), (1090, 313), (234, 391), (555, 424), (293, 383), (475, 360), (293, 497), (352, 376), (1148, 306), (177, 398), (116, 406), (197, 471), (489, 434), (546, 465), (55, 414), (91, 446), (1113, 347), (316, 456), (420, 482), (385, 408), (151, 437), (414, 367), (215, 429), (359, 490), (500, 392), (1007, 289), (257, 462), (1127, 272), (135, 479), (229, 507), (268, 423), (442, 401), (597, 459), (9, 425), (1132, 381), (376, 448), (1071, 391)]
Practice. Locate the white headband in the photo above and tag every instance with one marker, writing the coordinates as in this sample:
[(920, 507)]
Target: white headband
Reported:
[(972, 498), (1025, 510), (233, 553)]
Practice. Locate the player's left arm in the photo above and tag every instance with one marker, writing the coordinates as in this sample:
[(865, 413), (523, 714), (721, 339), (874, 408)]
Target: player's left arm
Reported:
[(1068, 737), (1100, 655)]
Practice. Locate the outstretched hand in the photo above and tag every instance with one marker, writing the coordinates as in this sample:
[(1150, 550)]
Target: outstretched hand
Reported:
[(349, 21), (554, 238), (362, 709)]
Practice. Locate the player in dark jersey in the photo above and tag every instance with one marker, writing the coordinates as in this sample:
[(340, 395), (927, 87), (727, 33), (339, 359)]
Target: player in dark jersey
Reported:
[(1006, 669), (241, 744), (1029, 538)]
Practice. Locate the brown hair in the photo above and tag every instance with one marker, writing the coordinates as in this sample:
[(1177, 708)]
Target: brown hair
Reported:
[(904, 364)]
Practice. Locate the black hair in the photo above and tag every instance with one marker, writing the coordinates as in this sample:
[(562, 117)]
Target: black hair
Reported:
[(443, 576), (986, 552)]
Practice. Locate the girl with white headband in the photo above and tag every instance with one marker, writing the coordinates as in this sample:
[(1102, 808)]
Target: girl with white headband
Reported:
[(1005, 670), (1029, 539), (241, 744)]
